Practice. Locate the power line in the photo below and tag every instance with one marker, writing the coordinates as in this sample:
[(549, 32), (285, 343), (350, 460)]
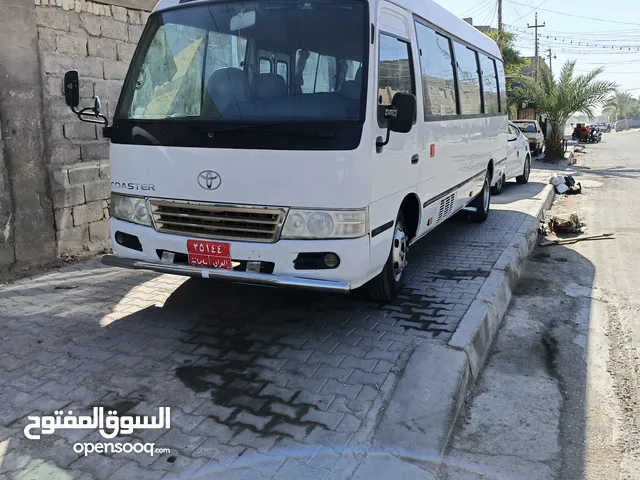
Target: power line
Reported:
[(572, 42), (580, 16), (481, 4), (529, 13)]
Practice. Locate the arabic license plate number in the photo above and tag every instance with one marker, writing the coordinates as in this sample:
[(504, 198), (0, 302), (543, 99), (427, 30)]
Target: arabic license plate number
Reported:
[(209, 254)]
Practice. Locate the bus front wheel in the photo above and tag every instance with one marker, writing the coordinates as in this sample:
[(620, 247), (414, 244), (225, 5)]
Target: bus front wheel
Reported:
[(385, 286)]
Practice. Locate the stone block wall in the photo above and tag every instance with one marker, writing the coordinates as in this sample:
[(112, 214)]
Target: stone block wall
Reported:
[(98, 40)]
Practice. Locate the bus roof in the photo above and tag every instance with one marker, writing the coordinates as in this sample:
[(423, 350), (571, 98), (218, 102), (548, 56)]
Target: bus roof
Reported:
[(427, 9)]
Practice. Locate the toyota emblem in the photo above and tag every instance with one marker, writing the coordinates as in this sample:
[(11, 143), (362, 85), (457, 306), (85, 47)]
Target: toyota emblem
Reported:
[(209, 180)]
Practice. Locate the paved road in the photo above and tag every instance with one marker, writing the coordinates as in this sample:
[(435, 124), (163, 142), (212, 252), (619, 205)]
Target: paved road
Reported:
[(560, 396), (262, 383)]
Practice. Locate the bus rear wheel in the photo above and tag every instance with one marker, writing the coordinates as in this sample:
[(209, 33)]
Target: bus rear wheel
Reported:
[(482, 203), (387, 284)]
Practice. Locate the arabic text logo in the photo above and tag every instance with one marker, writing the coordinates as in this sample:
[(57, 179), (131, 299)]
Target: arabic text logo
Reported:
[(209, 180), (109, 426)]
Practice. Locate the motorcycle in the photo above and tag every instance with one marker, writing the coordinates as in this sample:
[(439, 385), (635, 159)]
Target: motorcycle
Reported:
[(595, 135)]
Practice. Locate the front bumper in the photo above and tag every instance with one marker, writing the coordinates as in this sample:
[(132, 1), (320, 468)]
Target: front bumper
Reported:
[(354, 269), (270, 280)]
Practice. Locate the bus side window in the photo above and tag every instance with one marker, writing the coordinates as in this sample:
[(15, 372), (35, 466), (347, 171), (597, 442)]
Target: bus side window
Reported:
[(436, 65), (396, 72), (265, 65), (468, 80)]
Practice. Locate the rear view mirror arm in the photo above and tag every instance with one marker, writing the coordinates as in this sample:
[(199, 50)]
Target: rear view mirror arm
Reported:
[(88, 115), (389, 114)]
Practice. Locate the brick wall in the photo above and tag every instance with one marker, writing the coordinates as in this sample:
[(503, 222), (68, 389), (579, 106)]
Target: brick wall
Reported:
[(98, 40)]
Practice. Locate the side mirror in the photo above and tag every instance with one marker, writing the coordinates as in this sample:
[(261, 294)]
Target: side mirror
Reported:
[(72, 97), (405, 106), (400, 116), (72, 88)]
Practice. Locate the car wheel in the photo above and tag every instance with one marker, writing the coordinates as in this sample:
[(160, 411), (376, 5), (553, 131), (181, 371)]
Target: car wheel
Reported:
[(385, 286), (499, 187), (482, 203), (524, 178)]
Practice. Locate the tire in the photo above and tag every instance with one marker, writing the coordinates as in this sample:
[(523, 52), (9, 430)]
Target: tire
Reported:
[(524, 178), (499, 187), (385, 286), (482, 203)]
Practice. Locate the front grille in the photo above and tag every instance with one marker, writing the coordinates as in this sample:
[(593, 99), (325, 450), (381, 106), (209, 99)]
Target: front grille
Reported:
[(254, 224)]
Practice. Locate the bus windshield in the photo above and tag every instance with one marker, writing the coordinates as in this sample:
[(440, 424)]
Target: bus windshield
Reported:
[(265, 61)]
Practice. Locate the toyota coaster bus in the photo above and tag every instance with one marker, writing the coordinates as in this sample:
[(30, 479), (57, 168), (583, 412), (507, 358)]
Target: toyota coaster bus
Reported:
[(295, 143)]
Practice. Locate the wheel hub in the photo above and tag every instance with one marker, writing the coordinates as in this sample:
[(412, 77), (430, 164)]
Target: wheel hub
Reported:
[(399, 251)]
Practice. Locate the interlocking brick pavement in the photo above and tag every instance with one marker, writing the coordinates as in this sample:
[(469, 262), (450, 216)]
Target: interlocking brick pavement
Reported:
[(262, 383)]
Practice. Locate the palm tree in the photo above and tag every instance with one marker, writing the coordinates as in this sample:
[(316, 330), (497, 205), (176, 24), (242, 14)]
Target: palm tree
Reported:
[(620, 105), (560, 99)]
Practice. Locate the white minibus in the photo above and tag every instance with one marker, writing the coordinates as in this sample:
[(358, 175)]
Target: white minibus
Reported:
[(295, 143)]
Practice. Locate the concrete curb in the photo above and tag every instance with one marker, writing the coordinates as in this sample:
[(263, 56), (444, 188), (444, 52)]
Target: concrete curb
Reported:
[(419, 420), (478, 328)]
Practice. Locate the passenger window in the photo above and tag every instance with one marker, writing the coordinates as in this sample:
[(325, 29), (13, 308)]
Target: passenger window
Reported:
[(319, 74), (282, 70), (265, 65), (490, 83), (396, 72), (468, 80), (502, 86), (436, 65), (224, 51)]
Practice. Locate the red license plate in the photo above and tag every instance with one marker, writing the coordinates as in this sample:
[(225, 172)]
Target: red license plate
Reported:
[(209, 254)]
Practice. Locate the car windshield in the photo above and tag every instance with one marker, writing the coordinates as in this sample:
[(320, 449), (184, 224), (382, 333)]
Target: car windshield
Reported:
[(267, 60), (528, 127)]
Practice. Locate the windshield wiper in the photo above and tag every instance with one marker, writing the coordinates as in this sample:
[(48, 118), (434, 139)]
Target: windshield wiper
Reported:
[(282, 131), (236, 128)]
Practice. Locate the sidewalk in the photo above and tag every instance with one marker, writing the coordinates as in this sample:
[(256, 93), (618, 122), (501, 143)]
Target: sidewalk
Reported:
[(261, 383)]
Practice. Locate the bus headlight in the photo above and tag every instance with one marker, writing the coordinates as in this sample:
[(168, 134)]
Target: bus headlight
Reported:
[(320, 224), (130, 209)]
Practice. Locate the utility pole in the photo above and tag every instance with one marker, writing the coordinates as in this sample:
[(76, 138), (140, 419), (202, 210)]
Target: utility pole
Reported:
[(536, 26), (499, 22), (551, 57)]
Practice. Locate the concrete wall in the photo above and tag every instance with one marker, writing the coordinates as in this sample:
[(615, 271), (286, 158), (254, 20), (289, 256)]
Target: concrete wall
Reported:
[(7, 253), (29, 231), (98, 40), (54, 169)]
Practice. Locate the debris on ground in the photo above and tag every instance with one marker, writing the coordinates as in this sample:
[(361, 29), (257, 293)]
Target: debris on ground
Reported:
[(568, 223), (565, 184), (567, 241)]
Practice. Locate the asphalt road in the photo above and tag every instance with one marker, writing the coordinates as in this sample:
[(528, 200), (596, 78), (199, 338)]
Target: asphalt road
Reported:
[(560, 395)]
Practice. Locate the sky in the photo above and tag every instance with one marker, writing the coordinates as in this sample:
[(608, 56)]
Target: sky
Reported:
[(610, 23)]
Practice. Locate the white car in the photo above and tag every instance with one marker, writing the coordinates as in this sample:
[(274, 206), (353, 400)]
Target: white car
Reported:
[(518, 164)]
